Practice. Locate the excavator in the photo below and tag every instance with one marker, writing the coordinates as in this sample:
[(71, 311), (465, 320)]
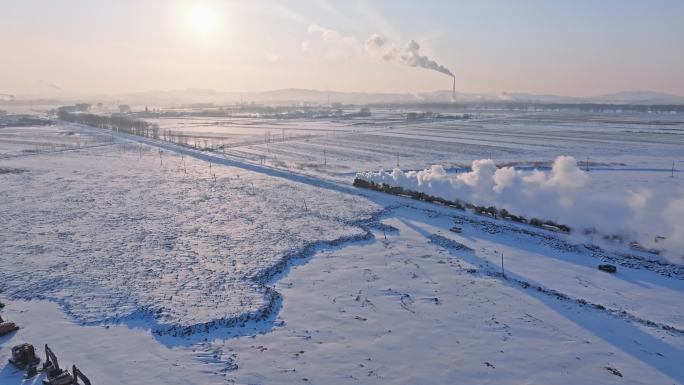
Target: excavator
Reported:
[(7, 327), (57, 376), (24, 357)]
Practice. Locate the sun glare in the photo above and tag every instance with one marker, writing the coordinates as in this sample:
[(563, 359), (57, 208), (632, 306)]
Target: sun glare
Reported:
[(202, 19)]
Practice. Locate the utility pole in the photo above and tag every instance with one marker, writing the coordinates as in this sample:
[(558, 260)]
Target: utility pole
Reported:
[(503, 273)]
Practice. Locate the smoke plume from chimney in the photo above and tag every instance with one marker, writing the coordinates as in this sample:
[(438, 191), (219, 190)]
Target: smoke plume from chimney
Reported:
[(408, 55)]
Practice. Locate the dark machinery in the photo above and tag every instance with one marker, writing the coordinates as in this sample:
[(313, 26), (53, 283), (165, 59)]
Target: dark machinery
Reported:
[(61, 378), (7, 327), (54, 374), (78, 375), (608, 268), (24, 356), (57, 376)]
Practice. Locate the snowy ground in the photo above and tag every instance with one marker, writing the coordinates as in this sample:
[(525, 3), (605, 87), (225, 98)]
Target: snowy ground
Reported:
[(106, 354), (21, 142), (405, 310), (114, 232), (341, 148), (155, 259)]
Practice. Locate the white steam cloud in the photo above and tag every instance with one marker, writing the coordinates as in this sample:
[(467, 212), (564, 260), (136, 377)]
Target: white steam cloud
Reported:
[(330, 35), (376, 43), (562, 195), (51, 85), (330, 43), (408, 55)]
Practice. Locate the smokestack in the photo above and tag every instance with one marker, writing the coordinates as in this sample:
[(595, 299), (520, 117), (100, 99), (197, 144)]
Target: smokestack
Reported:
[(453, 90)]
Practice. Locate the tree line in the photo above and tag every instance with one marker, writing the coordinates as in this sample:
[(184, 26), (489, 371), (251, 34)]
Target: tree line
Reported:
[(117, 123)]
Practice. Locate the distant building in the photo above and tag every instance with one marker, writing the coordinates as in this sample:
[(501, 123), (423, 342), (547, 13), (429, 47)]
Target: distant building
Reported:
[(82, 107), (422, 115)]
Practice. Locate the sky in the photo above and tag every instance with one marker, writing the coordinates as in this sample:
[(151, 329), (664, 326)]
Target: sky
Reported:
[(574, 48)]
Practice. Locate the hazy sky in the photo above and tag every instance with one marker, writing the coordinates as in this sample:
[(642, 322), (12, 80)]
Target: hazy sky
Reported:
[(572, 47)]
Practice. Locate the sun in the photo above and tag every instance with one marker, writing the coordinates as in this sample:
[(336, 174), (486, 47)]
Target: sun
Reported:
[(202, 19)]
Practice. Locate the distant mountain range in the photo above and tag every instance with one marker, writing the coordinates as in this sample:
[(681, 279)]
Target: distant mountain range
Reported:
[(297, 95), (641, 97)]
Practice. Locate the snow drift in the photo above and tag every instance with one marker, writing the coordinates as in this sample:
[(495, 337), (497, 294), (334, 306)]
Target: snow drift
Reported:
[(563, 195)]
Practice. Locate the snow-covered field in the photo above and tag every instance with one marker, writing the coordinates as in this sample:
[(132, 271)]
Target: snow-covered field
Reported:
[(619, 140), (116, 232), (171, 265), (410, 310), (20, 142)]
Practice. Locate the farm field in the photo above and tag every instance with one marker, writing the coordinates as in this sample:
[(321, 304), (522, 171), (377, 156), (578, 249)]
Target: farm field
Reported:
[(630, 143), (259, 262)]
